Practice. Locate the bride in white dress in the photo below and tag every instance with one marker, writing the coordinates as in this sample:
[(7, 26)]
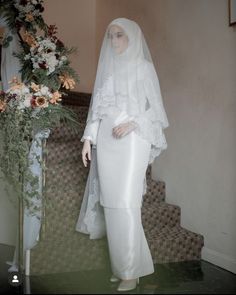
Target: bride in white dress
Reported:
[(125, 126)]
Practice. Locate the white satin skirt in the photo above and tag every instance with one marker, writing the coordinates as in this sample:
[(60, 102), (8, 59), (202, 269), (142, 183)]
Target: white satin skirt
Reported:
[(122, 164), (130, 256)]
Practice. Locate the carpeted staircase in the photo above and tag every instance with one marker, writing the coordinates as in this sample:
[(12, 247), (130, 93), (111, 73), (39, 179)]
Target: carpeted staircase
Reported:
[(62, 249), (168, 240)]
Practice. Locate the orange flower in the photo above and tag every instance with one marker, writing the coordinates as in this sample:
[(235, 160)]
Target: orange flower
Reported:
[(3, 106), (18, 84), (14, 80), (68, 82), (29, 39), (35, 87), (29, 17), (56, 96), (41, 101)]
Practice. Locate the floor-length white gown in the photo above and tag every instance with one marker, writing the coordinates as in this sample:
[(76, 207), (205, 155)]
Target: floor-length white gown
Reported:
[(126, 89), (122, 164)]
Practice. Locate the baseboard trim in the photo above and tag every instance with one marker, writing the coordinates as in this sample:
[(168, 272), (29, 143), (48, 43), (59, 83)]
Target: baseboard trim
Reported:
[(219, 259)]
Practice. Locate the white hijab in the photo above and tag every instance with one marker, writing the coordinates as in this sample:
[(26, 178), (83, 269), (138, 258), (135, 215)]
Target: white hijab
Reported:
[(120, 79)]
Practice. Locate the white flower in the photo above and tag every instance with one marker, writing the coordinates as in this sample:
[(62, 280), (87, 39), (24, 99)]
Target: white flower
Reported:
[(35, 66), (29, 8), (25, 90), (40, 48), (19, 92), (44, 91), (52, 63), (27, 100), (27, 56), (48, 44), (63, 58)]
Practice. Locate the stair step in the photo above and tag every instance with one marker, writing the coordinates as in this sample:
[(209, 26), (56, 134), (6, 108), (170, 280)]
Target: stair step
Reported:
[(61, 255), (160, 216), (65, 133), (81, 111), (174, 244), (62, 153), (156, 192), (66, 174)]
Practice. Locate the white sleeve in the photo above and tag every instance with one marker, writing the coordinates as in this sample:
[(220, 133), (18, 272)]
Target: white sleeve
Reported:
[(149, 124), (91, 131), (152, 132)]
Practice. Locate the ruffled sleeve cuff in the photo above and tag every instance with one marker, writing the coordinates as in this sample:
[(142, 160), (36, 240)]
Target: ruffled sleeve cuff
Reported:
[(91, 131), (153, 133)]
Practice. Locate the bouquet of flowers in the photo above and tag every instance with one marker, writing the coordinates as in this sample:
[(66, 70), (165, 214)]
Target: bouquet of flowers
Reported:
[(44, 54), (33, 96), (45, 59), (26, 109), (32, 106), (23, 13), (28, 10)]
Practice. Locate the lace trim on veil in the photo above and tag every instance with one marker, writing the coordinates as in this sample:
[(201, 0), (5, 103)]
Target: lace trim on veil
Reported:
[(105, 102)]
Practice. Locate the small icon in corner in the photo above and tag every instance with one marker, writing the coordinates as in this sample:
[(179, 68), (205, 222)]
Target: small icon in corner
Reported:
[(14, 279)]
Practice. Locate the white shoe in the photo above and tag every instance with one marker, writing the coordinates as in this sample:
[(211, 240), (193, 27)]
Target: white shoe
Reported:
[(127, 285), (114, 279)]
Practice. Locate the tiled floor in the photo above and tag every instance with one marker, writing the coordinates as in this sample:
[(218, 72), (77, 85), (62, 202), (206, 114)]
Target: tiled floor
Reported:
[(193, 277)]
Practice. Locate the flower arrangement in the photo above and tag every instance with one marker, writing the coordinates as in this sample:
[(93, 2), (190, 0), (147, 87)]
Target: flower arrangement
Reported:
[(26, 109), (44, 57), (43, 54), (29, 11), (33, 103), (45, 60), (23, 13), (33, 97)]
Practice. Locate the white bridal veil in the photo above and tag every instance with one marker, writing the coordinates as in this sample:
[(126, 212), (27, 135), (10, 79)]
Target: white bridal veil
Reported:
[(126, 82), (129, 82)]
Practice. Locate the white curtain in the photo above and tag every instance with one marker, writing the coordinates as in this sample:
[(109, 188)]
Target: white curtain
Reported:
[(10, 65)]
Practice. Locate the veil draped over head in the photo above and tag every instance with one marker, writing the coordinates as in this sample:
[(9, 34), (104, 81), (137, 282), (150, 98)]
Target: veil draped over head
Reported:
[(128, 82), (124, 82)]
